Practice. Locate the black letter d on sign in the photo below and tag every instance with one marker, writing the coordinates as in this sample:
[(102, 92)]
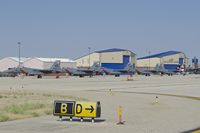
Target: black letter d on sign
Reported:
[(78, 108)]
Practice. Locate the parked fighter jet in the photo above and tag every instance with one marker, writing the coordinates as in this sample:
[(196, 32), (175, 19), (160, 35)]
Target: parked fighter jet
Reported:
[(159, 69), (193, 70), (11, 72), (129, 69), (197, 71), (94, 70), (55, 69), (111, 72), (143, 72)]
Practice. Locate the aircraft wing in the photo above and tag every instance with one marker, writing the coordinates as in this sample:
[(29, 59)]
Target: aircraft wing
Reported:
[(77, 72), (11, 72), (112, 72), (32, 72), (144, 72)]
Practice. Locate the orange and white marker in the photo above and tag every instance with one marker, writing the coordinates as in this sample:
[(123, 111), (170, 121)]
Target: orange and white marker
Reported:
[(156, 100)]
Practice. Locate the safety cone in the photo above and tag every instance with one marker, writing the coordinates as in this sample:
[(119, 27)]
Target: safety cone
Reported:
[(156, 100), (129, 78), (111, 93)]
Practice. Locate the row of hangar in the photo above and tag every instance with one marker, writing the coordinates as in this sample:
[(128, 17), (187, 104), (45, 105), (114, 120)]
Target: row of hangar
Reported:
[(111, 58)]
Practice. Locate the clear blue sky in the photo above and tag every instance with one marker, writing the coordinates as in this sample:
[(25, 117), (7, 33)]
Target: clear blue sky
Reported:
[(66, 28)]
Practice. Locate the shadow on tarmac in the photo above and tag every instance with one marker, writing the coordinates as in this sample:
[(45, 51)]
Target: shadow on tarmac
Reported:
[(84, 120)]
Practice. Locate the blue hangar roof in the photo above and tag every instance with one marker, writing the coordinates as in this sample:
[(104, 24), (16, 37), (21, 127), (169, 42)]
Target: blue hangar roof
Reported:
[(160, 55), (107, 50), (111, 50)]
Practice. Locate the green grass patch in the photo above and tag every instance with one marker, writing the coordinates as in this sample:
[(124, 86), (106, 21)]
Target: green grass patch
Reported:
[(35, 114), (48, 112), (22, 104), (3, 118), (23, 108)]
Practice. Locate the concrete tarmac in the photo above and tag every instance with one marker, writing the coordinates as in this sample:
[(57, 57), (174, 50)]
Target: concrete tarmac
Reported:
[(175, 112)]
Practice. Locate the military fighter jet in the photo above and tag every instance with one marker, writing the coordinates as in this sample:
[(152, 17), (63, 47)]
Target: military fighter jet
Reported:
[(143, 72), (11, 72), (94, 70), (129, 69), (160, 70), (55, 69)]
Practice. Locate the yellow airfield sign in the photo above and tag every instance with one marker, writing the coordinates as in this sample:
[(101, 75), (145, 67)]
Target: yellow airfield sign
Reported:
[(77, 109), (86, 109)]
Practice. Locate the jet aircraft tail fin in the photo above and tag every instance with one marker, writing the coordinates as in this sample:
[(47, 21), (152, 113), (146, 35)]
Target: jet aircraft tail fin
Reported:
[(56, 66)]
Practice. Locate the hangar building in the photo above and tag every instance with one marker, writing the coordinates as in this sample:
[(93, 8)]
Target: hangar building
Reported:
[(170, 59), (11, 62), (111, 58), (46, 63)]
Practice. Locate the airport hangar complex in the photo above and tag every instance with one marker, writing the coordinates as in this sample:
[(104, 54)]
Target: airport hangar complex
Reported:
[(110, 58)]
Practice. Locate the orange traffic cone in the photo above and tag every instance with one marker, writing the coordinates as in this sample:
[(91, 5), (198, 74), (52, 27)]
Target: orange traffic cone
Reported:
[(129, 78)]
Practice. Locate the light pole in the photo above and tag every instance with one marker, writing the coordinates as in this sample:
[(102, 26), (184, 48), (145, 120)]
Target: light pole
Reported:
[(149, 59), (89, 48), (19, 46)]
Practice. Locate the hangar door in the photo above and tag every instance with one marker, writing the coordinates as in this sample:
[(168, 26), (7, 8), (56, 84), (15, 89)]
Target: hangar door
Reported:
[(117, 65), (171, 67), (181, 61)]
